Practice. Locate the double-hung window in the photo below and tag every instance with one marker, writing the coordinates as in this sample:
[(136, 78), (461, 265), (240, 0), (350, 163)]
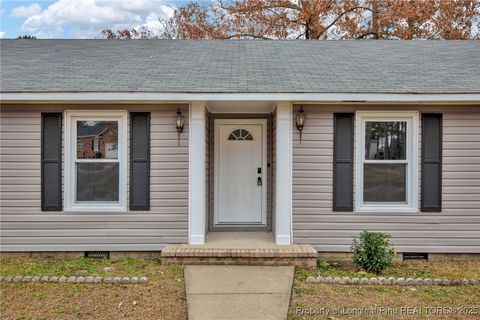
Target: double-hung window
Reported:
[(95, 164), (386, 161)]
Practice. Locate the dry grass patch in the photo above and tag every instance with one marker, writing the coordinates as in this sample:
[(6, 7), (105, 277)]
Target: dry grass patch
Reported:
[(163, 297), (413, 269), (67, 267), (345, 299)]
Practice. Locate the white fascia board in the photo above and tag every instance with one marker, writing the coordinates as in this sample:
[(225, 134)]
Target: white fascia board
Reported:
[(145, 97)]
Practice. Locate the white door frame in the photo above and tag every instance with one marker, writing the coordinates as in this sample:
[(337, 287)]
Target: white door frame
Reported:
[(217, 123)]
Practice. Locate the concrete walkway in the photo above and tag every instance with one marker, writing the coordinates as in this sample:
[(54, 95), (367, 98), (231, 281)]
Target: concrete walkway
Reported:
[(238, 292)]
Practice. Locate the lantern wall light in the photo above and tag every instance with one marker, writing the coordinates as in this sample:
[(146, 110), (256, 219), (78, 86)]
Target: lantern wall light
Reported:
[(179, 123), (300, 120)]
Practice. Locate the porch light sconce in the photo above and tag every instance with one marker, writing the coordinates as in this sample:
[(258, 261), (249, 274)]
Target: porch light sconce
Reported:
[(300, 120), (179, 122)]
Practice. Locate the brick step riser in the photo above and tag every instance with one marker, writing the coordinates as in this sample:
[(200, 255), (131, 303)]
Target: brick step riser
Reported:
[(308, 263)]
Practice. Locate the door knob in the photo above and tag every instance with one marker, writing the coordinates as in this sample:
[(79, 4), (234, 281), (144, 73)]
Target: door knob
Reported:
[(259, 181)]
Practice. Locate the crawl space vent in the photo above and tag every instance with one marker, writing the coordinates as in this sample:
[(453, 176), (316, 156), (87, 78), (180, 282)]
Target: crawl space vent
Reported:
[(97, 254), (415, 256)]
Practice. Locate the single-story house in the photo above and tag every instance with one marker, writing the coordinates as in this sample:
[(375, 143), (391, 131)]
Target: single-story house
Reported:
[(111, 145)]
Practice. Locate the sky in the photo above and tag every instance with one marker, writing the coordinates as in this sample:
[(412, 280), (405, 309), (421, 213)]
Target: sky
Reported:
[(80, 18)]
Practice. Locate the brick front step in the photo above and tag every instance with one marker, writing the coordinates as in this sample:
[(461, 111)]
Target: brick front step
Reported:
[(304, 256)]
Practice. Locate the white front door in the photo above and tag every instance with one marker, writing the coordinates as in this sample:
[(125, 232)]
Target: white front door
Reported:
[(240, 172)]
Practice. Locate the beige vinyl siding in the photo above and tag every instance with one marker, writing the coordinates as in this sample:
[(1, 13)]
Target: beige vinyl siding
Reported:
[(455, 229), (24, 227)]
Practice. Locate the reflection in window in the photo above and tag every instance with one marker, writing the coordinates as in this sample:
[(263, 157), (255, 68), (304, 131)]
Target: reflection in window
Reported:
[(240, 134), (97, 181), (96, 144), (385, 140), (80, 144), (97, 139), (384, 182), (386, 161)]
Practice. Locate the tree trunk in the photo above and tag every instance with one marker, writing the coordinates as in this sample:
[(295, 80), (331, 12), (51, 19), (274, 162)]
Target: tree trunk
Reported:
[(375, 20)]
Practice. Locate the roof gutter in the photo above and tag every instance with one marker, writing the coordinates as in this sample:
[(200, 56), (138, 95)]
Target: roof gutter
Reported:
[(155, 97)]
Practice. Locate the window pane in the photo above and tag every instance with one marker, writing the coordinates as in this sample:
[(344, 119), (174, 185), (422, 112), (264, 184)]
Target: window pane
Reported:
[(97, 139), (385, 140), (240, 134), (97, 181), (384, 182)]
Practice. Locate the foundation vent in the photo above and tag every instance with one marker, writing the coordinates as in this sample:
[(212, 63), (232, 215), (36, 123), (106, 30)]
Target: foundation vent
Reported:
[(415, 256), (97, 254)]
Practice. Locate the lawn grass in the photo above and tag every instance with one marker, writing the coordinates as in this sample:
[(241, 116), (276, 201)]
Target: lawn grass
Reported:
[(67, 267), (414, 269), (348, 298), (163, 297), (345, 299)]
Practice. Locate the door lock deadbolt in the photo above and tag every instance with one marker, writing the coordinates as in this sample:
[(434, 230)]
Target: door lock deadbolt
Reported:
[(259, 181)]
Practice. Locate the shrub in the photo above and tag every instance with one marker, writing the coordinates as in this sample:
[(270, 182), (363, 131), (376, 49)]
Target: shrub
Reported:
[(372, 251)]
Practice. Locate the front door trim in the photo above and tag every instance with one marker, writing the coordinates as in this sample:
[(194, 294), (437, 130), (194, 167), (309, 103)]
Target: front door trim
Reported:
[(217, 123)]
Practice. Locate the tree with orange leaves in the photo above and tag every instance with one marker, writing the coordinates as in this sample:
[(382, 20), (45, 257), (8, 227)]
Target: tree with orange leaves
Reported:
[(319, 19), (419, 19)]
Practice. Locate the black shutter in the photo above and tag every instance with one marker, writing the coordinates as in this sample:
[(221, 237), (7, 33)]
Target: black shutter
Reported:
[(431, 162), (343, 162), (139, 161), (51, 185)]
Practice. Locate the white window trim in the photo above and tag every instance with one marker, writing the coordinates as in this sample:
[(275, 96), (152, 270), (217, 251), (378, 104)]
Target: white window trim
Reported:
[(96, 144), (70, 156), (411, 117)]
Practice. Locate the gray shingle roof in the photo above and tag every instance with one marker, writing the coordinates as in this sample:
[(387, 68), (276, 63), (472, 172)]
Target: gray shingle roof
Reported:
[(91, 128), (241, 66)]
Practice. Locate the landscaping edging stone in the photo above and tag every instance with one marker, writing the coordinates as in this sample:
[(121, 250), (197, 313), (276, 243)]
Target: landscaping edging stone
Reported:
[(391, 281), (74, 279)]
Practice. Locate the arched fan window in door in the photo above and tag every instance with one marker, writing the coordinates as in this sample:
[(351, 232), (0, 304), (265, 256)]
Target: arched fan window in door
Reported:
[(240, 134)]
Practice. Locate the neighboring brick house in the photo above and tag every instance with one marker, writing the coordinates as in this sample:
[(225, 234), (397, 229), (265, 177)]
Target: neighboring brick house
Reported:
[(97, 140)]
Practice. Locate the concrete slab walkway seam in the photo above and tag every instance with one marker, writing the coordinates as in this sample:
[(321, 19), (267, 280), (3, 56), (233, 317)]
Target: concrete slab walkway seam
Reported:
[(238, 292)]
